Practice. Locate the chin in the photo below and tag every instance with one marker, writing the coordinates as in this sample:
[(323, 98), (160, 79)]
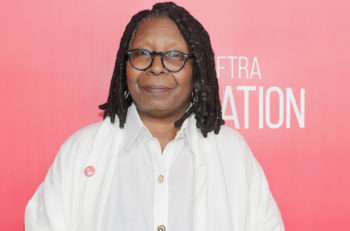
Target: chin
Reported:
[(161, 109)]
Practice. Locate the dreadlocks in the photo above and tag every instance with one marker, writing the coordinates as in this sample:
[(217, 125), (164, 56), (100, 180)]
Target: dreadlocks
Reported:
[(205, 102)]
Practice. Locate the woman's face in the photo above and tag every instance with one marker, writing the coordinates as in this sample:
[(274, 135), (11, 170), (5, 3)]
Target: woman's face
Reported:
[(155, 91)]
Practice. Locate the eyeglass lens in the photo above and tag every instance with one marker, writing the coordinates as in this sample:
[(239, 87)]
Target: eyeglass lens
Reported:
[(172, 60)]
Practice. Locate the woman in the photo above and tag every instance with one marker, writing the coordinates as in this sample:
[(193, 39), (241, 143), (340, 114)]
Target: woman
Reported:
[(161, 159)]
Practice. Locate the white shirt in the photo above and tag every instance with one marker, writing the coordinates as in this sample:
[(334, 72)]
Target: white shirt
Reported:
[(151, 189), (78, 194)]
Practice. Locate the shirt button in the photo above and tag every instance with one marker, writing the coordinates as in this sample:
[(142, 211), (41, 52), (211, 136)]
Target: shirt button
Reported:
[(161, 228), (160, 178)]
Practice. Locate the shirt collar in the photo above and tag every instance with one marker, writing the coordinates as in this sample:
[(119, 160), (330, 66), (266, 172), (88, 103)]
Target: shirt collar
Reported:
[(134, 125)]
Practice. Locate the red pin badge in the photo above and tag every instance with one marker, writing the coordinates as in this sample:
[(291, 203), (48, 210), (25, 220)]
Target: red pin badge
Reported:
[(89, 171)]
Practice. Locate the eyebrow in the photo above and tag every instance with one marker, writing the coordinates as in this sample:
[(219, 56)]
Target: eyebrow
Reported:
[(148, 46), (170, 48)]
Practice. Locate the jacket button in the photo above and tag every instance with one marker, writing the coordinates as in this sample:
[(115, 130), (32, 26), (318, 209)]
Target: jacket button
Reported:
[(161, 228)]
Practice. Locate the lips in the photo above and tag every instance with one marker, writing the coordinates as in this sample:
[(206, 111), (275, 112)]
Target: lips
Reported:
[(156, 89)]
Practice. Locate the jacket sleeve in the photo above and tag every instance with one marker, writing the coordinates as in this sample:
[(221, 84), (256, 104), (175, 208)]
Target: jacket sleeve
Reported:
[(45, 210), (264, 210)]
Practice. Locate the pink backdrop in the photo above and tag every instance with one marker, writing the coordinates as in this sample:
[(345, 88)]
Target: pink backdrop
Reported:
[(284, 74)]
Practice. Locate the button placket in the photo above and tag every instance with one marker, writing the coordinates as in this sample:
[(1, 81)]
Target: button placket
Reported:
[(160, 190), (163, 162)]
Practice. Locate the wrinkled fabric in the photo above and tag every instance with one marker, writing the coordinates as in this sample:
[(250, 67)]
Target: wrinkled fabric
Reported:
[(231, 192), (137, 201)]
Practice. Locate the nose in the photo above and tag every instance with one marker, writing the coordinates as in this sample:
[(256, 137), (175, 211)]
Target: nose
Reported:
[(157, 67)]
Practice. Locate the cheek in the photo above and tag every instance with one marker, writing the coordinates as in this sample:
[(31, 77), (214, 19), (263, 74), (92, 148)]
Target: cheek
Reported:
[(128, 71), (186, 78), (130, 77)]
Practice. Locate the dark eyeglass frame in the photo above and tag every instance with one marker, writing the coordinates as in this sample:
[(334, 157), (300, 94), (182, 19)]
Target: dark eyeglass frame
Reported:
[(162, 54)]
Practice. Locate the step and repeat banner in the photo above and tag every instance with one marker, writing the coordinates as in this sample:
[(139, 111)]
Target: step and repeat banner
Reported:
[(283, 70)]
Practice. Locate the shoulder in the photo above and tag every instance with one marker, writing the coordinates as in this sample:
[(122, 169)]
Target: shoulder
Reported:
[(229, 132), (229, 136), (232, 146), (75, 151), (86, 136), (235, 153), (242, 171)]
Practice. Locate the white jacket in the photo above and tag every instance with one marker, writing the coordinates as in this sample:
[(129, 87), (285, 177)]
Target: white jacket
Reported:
[(231, 191)]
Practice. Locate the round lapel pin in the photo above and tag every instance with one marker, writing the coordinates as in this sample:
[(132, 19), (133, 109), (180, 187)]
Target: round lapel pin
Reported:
[(89, 171)]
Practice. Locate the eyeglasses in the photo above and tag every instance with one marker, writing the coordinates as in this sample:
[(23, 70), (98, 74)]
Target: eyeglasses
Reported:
[(172, 60)]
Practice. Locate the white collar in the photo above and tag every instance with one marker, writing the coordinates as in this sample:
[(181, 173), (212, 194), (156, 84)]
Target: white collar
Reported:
[(134, 125)]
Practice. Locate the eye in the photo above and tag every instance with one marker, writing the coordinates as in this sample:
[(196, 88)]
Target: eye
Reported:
[(174, 56), (143, 52), (140, 54)]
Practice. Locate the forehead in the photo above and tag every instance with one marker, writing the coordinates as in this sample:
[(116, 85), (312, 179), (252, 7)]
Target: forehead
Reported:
[(158, 31)]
